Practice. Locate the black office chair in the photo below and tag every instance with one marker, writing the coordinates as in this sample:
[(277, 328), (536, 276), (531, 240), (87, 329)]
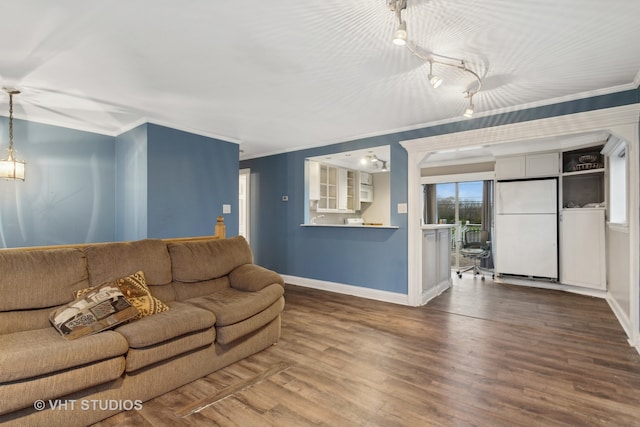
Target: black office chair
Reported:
[(475, 246)]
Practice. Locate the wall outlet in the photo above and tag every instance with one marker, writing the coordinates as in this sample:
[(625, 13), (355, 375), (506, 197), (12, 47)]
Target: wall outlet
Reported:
[(285, 198), (402, 208), (226, 209)]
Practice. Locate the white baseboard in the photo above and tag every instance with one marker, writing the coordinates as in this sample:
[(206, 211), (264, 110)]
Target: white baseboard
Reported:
[(623, 319), (543, 284), (435, 291), (340, 288)]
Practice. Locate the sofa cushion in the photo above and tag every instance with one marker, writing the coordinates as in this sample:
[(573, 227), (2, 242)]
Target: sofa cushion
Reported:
[(23, 394), (252, 277), (135, 290), (232, 306), (209, 259), (109, 261), (97, 309), (228, 334), (24, 320), (138, 358), (29, 354), (185, 291), (24, 287), (181, 319)]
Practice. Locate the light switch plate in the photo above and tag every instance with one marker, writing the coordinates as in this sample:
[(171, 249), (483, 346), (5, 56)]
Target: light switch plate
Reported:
[(402, 208), (226, 209)]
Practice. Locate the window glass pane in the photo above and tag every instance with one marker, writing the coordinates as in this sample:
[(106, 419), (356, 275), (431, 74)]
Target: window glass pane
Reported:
[(470, 202), (446, 203)]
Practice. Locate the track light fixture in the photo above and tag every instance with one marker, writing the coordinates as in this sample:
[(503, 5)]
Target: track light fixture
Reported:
[(372, 161), (401, 38), (469, 111), (433, 79)]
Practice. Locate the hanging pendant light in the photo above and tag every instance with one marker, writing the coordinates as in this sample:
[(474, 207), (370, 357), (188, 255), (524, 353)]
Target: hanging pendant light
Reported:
[(10, 168)]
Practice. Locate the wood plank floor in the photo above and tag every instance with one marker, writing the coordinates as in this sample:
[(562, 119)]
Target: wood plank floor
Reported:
[(481, 354)]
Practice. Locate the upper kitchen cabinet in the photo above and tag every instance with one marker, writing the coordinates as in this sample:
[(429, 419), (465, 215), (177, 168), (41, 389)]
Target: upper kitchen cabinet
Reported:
[(347, 194), (333, 188), (583, 178), (528, 166), (366, 187)]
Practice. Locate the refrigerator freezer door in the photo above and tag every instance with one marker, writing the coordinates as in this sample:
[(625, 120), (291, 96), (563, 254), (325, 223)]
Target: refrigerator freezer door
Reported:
[(526, 197), (527, 245)]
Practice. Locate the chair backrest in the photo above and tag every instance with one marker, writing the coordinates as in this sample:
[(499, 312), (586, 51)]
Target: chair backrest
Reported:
[(476, 239)]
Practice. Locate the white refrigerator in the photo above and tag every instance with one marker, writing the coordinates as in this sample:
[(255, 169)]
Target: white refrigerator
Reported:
[(526, 228)]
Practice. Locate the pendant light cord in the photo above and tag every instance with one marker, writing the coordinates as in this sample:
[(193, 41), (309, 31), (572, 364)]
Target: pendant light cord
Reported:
[(11, 122)]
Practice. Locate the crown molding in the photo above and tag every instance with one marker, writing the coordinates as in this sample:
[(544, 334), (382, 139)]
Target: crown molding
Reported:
[(170, 125), (533, 129)]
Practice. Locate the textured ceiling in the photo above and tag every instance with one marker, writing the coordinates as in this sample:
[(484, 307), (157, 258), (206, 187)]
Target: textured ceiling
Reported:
[(281, 75)]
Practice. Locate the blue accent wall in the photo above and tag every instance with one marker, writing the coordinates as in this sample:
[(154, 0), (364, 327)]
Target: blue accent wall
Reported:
[(190, 177), (131, 184), (82, 187), (367, 257), (68, 194), (375, 259)]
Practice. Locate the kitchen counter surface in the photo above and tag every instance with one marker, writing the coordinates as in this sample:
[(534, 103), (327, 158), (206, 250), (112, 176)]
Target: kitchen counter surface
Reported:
[(350, 226), (437, 226)]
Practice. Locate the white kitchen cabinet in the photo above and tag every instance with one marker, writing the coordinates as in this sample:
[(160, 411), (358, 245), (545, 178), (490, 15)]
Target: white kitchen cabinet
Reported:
[(510, 167), (334, 188), (546, 164), (436, 259), (528, 166), (346, 190), (366, 187), (582, 248), (366, 178), (328, 201), (366, 193), (313, 172)]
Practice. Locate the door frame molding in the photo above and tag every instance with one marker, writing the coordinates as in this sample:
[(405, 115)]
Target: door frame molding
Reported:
[(247, 195)]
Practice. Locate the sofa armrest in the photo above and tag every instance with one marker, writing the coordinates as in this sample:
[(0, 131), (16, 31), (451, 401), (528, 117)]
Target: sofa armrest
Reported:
[(252, 278)]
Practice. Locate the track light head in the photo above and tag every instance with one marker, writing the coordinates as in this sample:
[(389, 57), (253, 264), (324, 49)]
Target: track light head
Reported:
[(400, 36), (469, 111), (435, 81)]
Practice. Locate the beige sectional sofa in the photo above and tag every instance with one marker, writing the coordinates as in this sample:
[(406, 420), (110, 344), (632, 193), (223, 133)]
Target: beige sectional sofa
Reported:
[(222, 308)]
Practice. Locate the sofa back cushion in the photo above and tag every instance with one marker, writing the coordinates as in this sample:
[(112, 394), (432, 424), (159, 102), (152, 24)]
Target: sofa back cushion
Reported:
[(40, 278), (209, 259), (34, 281), (110, 261)]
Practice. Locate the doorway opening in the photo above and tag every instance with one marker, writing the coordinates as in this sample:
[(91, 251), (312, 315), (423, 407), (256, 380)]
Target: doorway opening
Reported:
[(244, 201), (467, 204)]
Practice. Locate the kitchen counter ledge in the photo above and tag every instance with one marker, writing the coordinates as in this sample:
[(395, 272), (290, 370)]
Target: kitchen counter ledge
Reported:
[(350, 226)]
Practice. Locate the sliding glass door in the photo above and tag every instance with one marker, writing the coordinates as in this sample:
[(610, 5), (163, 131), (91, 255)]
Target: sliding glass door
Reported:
[(467, 204)]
